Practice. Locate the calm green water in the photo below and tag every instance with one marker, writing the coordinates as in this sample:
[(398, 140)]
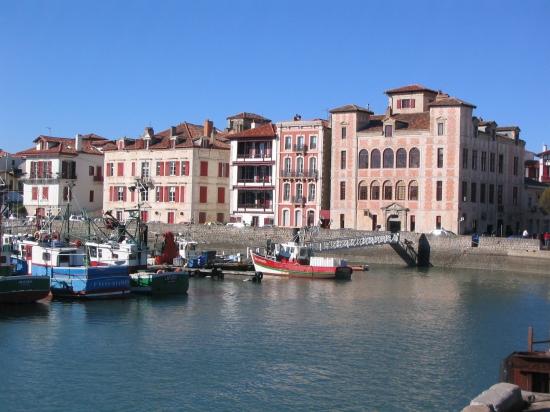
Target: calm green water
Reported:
[(389, 340)]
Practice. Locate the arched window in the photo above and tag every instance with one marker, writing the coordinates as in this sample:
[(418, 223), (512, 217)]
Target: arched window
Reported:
[(298, 218), (387, 190), (363, 191), (363, 159), (375, 190), (413, 190), (300, 165), (299, 191), (414, 158), (288, 165), (312, 166), (375, 159), (311, 192), (400, 189), (401, 158), (286, 192), (286, 217), (388, 159)]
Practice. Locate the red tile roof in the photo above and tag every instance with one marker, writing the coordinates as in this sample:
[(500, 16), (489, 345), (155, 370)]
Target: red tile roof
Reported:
[(91, 144), (265, 130), (247, 115), (410, 88), (350, 108), (450, 101), (408, 121)]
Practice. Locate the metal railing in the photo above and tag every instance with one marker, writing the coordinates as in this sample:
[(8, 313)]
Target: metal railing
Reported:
[(308, 174), (300, 148)]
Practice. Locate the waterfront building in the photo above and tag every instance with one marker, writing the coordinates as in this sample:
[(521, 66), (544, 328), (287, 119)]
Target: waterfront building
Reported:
[(537, 180), (59, 171), (425, 163), (179, 175), (10, 172), (303, 186), (252, 169)]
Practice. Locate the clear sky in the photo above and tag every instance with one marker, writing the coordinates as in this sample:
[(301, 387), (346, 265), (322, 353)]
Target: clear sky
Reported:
[(113, 67)]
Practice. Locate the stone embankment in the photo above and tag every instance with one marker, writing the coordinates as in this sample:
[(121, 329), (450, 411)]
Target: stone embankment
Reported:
[(492, 253)]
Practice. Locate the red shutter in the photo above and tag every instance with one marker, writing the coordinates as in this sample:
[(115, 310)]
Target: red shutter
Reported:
[(45, 192), (186, 168), (204, 168), (203, 194), (40, 169), (133, 168), (34, 193), (221, 195), (124, 194), (120, 169), (161, 171), (399, 103), (166, 194), (166, 168), (161, 194), (178, 164), (176, 195), (132, 196), (220, 169), (111, 196), (412, 103), (49, 164), (182, 194), (108, 171)]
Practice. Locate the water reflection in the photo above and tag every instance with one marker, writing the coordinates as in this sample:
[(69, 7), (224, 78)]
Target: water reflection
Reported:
[(28, 311)]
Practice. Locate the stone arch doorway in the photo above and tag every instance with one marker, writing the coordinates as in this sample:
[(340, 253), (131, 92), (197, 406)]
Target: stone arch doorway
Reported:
[(393, 223)]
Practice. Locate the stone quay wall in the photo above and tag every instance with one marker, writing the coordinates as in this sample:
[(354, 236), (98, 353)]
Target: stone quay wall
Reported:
[(492, 253)]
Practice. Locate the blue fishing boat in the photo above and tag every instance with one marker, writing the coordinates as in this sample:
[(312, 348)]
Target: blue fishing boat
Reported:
[(70, 273)]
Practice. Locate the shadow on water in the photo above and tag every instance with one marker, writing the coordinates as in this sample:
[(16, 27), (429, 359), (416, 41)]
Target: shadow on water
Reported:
[(28, 310)]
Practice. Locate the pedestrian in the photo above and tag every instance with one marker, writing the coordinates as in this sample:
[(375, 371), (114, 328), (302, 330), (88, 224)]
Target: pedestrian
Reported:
[(547, 240)]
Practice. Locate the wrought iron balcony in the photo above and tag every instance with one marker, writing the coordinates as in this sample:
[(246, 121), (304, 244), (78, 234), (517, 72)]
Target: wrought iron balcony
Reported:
[(299, 200), (299, 148), (300, 174)]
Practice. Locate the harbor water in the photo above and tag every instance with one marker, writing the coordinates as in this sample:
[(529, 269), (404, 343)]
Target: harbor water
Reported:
[(392, 339)]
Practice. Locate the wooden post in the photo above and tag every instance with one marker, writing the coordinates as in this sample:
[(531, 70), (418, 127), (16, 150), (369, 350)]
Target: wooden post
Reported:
[(530, 339)]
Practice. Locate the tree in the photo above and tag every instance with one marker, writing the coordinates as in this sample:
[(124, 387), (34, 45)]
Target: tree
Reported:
[(544, 201)]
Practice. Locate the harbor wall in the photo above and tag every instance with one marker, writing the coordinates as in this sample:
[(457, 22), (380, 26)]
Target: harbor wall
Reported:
[(492, 253)]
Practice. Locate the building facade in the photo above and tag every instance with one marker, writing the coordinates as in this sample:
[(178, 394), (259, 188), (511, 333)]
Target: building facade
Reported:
[(10, 172), (253, 173), (61, 171), (179, 175), (425, 163), (303, 185)]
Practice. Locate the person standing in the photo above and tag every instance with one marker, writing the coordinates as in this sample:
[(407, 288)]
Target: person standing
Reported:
[(547, 240)]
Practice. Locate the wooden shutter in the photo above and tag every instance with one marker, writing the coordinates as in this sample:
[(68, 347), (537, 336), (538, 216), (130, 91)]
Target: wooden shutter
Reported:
[(412, 103), (221, 194), (45, 192), (132, 196), (133, 168), (34, 193), (220, 169), (40, 170), (161, 169), (108, 171), (399, 103), (176, 195), (124, 194), (161, 194), (182, 194), (203, 194), (186, 168), (166, 194), (204, 168), (120, 169), (178, 165)]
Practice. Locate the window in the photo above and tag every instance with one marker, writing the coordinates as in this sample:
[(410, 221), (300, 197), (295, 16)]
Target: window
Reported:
[(363, 159), (185, 168), (120, 194), (300, 165), (439, 157), (220, 217), (344, 132), (300, 143), (342, 221), (515, 196), (413, 223), (400, 189), (172, 168), (491, 193), (34, 193), (312, 165), (221, 195), (342, 190), (91, 197), (499, 194), (286, 217), (144, 195), (375, 159), (160, 168), (286, 192), (474, 159), (492, 163), (439, 190), (440, 128), (414, 158), (473, 194), (170, 218), (45, 192), (500, 163), (311, 192), (203, 194), (158, 194), (387, 190), (363, 193), (464, 158), (401, 158), (374, 222), (516, 163), (388, 130), (90, 170), (120, 169), (202, 217), (145, 169), (299, 191), (204, 168), (287, 165), (288, 142), (313, 142), (413, 190), (464, 197), (67, 194), (483, 161), (375, 191), (482, 193), (343, 159), (438, 222), (405, 103), (387, 162)]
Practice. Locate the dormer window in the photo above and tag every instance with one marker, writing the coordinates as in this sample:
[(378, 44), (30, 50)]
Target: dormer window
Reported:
[(440, 128), (405, 103), (388, 130)]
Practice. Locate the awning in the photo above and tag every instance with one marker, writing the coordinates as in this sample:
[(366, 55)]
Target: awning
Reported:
[(324, 214)]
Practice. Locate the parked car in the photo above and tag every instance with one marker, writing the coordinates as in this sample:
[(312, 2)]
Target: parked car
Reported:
[(76, 218), (442, 232)]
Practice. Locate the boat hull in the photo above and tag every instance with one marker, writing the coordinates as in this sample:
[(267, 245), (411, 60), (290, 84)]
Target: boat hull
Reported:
[(24, 288), (166, 283), (272, 267), (86, 282)]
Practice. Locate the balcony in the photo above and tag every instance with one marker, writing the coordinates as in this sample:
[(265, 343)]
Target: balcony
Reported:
[(299, 200), (35, 180), (243, 207), (300, 174), (255, 179), (255, 155), (299, 148)]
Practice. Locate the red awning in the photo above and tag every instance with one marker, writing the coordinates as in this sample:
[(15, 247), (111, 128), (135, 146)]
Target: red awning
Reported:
[(324, 214)]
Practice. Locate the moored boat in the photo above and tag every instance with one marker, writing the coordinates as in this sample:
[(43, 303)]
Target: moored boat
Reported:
[(294, 260), (160, 283)]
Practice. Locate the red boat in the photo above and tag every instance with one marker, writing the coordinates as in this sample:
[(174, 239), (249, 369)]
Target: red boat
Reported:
[(296, 261)]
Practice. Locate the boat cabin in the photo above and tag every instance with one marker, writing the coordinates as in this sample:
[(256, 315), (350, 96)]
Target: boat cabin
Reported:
[(57, 254), (187, 248), (115, 253), (292, 252)]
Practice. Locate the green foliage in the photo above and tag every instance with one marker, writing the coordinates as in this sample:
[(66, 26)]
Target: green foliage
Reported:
[(544, 201)]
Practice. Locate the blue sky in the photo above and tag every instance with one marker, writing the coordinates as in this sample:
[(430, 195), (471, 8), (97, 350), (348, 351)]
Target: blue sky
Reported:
[(114, 67)]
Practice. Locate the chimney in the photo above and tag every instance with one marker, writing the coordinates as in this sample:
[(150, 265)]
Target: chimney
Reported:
[(78, 142), (253, 125), (149, 132), (121, 144), (544, 148), (208, 128)]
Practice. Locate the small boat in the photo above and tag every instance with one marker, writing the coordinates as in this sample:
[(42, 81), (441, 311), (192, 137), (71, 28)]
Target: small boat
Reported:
[(125, 253), (71, 275), (159, 283), (294, 260)]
